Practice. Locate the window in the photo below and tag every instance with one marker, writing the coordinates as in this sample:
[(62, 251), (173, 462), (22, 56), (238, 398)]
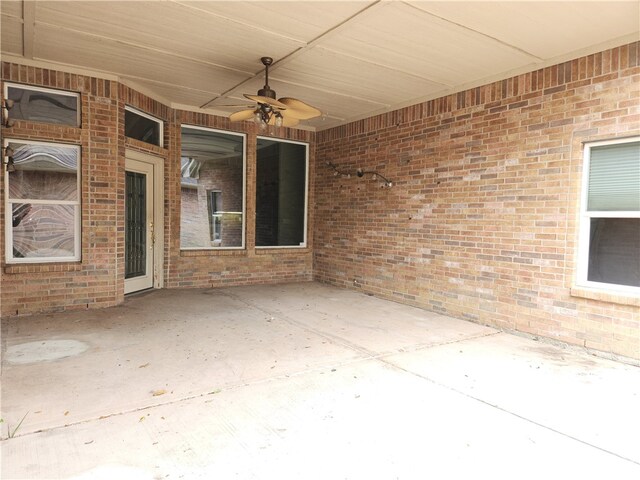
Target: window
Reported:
[(609, 255), (43, 105), (143, 127), (281, 193), (43, 198), (212, 189)]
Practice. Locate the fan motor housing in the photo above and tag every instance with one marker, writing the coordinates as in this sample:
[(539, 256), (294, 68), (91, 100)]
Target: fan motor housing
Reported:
[(267, 92)]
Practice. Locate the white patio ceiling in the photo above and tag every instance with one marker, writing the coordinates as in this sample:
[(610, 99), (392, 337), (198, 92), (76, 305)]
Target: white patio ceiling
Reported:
[(349, 59)]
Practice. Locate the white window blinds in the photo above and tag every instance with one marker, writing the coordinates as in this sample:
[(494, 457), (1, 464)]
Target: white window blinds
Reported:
[(614, 178)]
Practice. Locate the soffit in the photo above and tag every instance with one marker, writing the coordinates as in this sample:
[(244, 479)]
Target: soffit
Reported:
[(544, 29), (349, 59)]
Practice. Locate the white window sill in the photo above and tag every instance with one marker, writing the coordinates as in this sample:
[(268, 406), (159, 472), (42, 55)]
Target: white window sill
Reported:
[(609, 296)]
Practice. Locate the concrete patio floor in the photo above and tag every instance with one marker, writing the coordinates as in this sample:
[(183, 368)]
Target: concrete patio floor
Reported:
[(304, 381)]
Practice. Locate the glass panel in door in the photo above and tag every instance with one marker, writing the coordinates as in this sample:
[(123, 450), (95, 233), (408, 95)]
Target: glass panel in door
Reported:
[(135, 226)]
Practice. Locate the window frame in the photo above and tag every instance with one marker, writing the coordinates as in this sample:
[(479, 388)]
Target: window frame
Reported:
[(213, 216), (8, 224), (56, 91), (243, 244), (148, 117), (584, 225), (304, 244)]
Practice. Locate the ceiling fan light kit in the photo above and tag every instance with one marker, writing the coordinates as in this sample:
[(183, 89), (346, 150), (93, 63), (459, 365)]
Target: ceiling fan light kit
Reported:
[(285, 112)]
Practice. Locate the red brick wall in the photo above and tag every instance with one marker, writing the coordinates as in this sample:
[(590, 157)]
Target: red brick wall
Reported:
[(481, 221), (193, 216), (98, 279), (236, 267), (225, 177), (95, 280)]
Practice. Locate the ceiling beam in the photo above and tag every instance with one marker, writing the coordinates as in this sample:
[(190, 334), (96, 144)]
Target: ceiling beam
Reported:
[(243, 24), (141, 47), (28, 27), (424, 9), (368, 9)]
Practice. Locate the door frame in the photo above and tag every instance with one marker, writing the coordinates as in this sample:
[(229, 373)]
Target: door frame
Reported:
[(158, 211)]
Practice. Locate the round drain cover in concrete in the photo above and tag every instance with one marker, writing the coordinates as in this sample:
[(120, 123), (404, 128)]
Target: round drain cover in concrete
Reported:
[(43, 351)]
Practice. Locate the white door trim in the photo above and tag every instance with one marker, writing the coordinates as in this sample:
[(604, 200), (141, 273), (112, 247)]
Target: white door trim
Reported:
[(157, 164)]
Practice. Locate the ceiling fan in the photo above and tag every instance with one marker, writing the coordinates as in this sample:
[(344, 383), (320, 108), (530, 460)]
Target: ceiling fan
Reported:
[(284, 112)]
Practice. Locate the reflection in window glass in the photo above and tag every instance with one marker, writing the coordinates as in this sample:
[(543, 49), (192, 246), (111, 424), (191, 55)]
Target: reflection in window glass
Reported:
[(43, 105), (43, 231), (281, 186), (142, 127), (44, 172), (135, 231), (212, 189), (44, 201), (215, 215)]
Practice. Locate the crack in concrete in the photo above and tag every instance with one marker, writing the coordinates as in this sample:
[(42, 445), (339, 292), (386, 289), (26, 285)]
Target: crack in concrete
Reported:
[(368, 355), (497, 407), (337, 340), (334, 339), (381, 358)]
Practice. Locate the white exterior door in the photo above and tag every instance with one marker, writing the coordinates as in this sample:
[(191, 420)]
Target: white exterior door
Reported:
[(143, 252)]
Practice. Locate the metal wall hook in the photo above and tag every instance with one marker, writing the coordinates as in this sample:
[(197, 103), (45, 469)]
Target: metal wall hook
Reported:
[(7, 159), (6, 106)]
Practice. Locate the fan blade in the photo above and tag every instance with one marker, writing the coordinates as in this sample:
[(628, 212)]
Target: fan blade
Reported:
[(286, 121), (266, 100), (298, 109), (241, 115)]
